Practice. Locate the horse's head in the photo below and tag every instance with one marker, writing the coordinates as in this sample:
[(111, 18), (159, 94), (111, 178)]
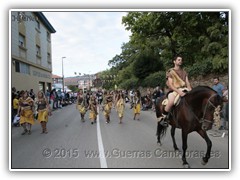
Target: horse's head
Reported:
[(206, 104), (211, 113)]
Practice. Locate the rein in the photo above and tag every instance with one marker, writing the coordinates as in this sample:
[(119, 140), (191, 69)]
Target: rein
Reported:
[(202, 120)]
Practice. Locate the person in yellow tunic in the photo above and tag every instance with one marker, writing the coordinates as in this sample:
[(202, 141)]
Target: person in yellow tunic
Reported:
[(26, 108), (93, 109), (115, 99), (178, 83), (114, 95), (111, 100), (15, 107), (107, 106), (137, 105), (81, 104), (42, 109), (120, 106)]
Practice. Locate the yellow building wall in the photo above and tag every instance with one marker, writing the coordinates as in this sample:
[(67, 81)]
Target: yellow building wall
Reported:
[(26, 82)]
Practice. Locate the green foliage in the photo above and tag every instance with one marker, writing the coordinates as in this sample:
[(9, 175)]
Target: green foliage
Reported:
[(129, 83), (73, 88), (220, 63), (146, 63), (200, 68), (108, 77), (155, 79), (124, 74), (200, 37)]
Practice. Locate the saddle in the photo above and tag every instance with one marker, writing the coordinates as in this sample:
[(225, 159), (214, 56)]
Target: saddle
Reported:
[(176, 101), (177, 98)]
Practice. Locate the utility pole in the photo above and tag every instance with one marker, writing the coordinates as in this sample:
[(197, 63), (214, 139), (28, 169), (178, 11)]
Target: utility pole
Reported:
[(63, 75)]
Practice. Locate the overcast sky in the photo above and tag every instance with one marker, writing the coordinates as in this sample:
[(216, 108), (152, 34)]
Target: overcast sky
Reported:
[(88, 40)]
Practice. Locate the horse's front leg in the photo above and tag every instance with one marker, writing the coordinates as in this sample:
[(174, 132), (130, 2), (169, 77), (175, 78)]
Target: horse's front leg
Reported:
[(209, 146), (159, 129), (184, 147), (173, 138)]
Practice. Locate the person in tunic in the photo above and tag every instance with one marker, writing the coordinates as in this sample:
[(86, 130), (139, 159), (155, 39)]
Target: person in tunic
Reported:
[(178, 83), (25, 110), (15, 107), (42, 110), (137, 105), (120, 106), (93, 109), (107, 106), (81, 104)]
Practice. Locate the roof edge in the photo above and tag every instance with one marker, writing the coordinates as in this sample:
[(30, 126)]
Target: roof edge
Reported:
[(44, 20)]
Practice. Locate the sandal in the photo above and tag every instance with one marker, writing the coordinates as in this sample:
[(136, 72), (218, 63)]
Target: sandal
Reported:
[(24, 132)]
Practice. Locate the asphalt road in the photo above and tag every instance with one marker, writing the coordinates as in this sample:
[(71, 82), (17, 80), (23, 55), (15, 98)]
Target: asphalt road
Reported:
[(72, 144)]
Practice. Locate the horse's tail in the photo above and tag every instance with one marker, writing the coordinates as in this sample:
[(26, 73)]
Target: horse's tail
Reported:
[(161, 132), (158, 106)]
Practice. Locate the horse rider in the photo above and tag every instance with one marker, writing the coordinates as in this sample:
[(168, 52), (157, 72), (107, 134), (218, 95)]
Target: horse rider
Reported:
[(178, 83)]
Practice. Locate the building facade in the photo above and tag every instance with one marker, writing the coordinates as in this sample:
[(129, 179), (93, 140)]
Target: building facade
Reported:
[(85, 82), (57, 79), (31, 51)]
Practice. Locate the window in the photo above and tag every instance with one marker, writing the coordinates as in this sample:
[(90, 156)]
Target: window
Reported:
[(21, 40), (41, 86), (49, 61), (38, 50), (48, 36), (49, 58), (37, 25), (17, 66), (49, 85), (22, 67)]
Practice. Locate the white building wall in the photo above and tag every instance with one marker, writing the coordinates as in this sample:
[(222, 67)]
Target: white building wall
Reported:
[(44, 45), (14, 35), (37, 74), (30, 39)]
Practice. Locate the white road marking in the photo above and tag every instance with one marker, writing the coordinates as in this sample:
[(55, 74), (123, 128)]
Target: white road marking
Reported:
[(102, 157)]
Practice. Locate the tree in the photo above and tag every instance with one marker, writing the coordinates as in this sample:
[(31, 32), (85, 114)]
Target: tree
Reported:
[(200, 37), (73, 88), (181, 33), (146, 63)]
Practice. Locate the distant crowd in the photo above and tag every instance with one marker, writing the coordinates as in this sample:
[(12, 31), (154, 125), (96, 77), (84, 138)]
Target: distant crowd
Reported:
[(23, 101)]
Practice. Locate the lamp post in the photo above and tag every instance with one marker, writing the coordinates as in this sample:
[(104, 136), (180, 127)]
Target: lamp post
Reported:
[(89, 82), (63, 75)]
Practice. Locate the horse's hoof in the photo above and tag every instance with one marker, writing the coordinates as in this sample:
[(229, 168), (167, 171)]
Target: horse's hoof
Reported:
[(176, 149), (186, 166), (178, 152), (203, 162)]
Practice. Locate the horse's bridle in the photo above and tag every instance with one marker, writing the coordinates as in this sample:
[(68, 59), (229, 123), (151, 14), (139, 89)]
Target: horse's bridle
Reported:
[(205, 110), (203, 119)]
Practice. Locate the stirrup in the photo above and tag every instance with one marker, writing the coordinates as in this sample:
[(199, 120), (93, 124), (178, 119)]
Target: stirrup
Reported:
[(164, 123), (162, 117), (163, 120)]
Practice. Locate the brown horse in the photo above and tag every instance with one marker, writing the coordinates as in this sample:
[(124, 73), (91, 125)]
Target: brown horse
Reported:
[(193, 113)]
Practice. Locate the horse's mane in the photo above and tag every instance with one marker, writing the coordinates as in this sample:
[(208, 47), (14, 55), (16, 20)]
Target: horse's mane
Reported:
[(201, 89)]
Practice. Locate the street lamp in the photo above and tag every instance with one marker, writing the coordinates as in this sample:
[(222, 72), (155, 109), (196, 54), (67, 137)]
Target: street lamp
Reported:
[(89, 80), (63, 74)]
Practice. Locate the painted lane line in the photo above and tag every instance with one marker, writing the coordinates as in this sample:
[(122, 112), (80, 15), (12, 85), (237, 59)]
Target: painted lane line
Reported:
[(102, 157)]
